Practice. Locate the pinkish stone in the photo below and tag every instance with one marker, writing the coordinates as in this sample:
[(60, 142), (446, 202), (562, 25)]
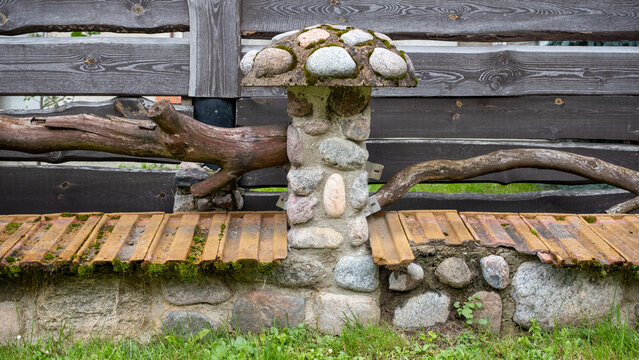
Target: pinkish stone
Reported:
[(334, 196), (312, 36), (316, 128), (300, 209), (357, 128), (272, 61), (294, 147)]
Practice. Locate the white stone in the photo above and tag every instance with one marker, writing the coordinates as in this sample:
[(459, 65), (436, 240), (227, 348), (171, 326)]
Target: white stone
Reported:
[(357, 273), (283, 35), (314, 238), (384, 37), (358, 231), (356, 36), (312, 37), (342, 154), (330, 61), (334, 310), (495, 271), (387, 63), (359, 191), (246, 64), (422, 311), (334, 196), (560, 296), (304, 181)]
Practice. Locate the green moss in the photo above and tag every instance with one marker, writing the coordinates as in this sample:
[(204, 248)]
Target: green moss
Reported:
[(12, 227), (534, 232), (416, 80), (13, 271), (74, 256), (328, 27), (560, 218), (384, 41), (266, 268), (11, 259), (59, 247), (48, 227), (49, 256), (100, 234), (120, 266), (155, 269), (310, 46), (590, 219), (187, 270), (84, 217), (46, 218), (73, 227), (85, 270), (67, 214), (339, 33), (221, 266)]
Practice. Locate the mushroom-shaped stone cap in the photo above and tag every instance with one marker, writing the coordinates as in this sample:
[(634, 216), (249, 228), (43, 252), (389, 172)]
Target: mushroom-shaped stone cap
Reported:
[(328, 55)]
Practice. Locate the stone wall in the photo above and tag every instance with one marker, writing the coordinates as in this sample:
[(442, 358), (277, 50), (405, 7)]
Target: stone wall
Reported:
[(513, 289)]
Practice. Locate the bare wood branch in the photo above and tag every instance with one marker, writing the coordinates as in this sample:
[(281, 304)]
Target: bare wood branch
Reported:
[(168, 134), (625, 207), (589, 167)]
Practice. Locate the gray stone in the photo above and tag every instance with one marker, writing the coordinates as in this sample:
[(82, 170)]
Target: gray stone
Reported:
[(358, 231), (387, 63), (560, 295), (312, 37), (357, 128), (314, 238), (202, 290), (316, 127), (495, 270), (422, 311), (406, 279), (10, 324), (304, 181), (298, 273), (330, 61), (300, 209), (262, 309), (334, 310), (358, 273), (272, 61), (334, 196), (411, 67), (359, 191), (454, 272), (338, 26), (186, 323), (294, 146), (490, 311), (183, 203), (190, 173), (342, 154), (356, 36), (283, 35), (246, 64), (385, 37)]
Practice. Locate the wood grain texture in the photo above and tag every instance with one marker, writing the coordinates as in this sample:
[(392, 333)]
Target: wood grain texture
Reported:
[(557, 201), (215, 48), (149, 16), (512, 71), (123, 66), (529, 117), (57, 157), (50, 189), (396, 154), (477, 20)]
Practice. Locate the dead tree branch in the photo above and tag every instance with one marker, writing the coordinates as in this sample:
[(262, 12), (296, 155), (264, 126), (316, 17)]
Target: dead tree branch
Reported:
[(588, 167), (168, 134)]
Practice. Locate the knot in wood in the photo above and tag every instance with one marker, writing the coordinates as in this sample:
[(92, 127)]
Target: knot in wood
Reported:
[(3, 19), (138, 9)]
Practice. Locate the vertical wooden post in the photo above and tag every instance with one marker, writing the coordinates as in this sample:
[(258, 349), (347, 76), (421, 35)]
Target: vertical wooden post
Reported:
[(215, 48)]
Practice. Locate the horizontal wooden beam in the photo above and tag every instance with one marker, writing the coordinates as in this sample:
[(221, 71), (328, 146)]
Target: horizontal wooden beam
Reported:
[(26, 16), (396, 154), (50, 189), (513, 71), (477, 20), (88, 66), (526, 117), (555, 201), (58, 157)]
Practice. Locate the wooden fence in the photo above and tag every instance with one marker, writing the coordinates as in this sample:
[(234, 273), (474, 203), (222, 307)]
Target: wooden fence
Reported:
[(469, 101)]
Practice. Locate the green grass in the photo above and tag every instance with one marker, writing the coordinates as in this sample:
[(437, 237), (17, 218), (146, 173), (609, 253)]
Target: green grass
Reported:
[(597, 340), (490, 188)]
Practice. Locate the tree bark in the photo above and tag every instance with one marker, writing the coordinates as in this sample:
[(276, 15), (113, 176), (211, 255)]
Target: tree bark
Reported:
[(588, 167), (624, 207), (169, 134)]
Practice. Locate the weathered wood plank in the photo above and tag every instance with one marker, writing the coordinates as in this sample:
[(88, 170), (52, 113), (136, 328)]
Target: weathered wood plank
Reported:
[(149, 16), (557, 201), (215, 48), (57, 157), (513, 71), (124, 66), (397, 154), (477, 20), (50, 189), (529, 117)]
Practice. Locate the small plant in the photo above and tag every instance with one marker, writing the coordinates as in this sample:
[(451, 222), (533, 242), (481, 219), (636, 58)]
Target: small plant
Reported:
[(590, 219), (119, 266), (466, 309), (49, 257), (534, 232), (11, 228), (85, 270)]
